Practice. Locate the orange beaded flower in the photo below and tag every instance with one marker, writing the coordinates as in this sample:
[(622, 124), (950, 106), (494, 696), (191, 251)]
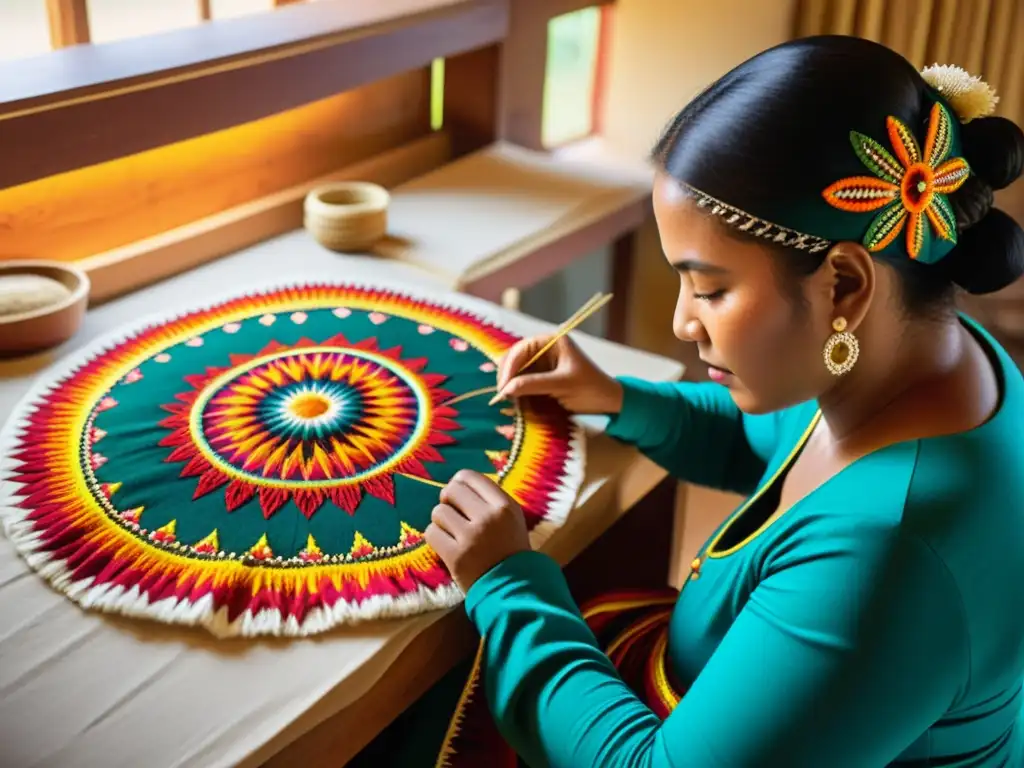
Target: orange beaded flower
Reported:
[(908, 189)]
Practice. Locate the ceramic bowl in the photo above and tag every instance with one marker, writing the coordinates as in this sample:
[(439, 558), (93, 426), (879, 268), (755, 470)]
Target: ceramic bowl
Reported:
[(52, 323)]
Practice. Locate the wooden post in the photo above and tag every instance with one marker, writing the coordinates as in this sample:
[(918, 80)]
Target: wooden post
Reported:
[(69, 22), (205, 12), (623, 256), (524, 59), (471, 82)]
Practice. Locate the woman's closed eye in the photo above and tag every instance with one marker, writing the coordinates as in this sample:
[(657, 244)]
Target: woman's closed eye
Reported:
[(709, 296)]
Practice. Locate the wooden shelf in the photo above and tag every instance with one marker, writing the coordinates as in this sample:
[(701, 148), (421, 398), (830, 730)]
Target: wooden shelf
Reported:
[(507, 216)]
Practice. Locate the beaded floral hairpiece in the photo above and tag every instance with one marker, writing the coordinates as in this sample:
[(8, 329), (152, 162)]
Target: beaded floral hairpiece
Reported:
[(968, 95), (909, 188)]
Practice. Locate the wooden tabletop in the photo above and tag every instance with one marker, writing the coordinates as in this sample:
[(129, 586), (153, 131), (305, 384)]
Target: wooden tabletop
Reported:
[(83, 689)]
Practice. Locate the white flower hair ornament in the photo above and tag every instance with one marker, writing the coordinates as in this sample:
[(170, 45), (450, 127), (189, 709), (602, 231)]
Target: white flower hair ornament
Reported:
[(968, 95)]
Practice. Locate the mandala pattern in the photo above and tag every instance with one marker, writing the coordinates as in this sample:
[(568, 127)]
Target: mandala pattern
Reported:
[(267, 465), (307, 423)]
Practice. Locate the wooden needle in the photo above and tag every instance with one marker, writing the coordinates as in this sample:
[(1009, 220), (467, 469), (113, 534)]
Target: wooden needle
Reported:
[(488, 390), (588, 309)]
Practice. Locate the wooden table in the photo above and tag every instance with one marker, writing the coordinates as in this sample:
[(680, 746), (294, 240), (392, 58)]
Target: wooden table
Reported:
[(83, 689)]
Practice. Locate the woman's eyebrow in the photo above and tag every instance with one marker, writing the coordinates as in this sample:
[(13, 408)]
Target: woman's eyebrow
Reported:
[(694, 265)]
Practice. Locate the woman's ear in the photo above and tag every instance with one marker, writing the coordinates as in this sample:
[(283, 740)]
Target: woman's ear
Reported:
[(850, 272)]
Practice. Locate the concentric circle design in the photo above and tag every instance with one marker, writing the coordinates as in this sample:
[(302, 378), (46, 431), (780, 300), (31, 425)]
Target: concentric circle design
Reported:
[(304, 423), (325, 415), (267, 465)]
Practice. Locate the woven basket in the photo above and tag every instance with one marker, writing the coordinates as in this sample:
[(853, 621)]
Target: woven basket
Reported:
[(347, 216)]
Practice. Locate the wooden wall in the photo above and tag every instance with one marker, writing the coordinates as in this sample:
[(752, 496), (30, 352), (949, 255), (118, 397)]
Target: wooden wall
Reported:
[(662, 52), (91, 210)]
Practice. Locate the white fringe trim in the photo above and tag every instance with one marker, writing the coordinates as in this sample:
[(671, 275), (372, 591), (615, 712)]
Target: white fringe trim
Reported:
[(116, 599)]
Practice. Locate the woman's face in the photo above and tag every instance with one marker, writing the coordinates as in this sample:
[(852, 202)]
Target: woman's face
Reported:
[(758, 341)]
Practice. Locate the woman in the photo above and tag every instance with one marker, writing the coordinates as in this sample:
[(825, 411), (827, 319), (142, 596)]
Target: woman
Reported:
[(820, 203)]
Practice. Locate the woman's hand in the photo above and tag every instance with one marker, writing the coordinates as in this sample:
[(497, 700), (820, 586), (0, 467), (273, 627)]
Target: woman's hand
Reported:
[(564, 373), (475, 527)]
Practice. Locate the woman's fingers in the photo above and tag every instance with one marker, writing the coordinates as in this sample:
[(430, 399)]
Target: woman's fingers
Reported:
[(449, 520), (533, 384), (459, 495), (482, 486), (518, 356), (439, 540)]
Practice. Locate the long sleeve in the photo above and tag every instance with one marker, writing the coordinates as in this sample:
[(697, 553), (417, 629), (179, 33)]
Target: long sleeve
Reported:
[(847, 651), (696, 432)]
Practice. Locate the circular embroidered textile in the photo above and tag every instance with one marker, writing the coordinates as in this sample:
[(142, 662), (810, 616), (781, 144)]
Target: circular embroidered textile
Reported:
[(267, 465)]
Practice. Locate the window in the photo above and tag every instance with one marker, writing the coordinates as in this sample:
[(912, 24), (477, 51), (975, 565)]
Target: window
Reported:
[(574, 47), (227, 9), (119, 19), (24, 29), (25, 25), (437, 94)]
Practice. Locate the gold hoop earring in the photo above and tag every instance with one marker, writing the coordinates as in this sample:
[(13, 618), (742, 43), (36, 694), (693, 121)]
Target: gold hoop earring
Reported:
[(841, 349)]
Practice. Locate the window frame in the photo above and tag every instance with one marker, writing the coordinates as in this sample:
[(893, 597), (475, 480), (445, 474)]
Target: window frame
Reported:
[(126, 97), (599, 80)]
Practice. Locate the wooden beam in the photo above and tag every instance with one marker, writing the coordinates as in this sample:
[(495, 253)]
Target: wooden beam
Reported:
[(111, 205), (194, 50), (293, 57), (69, 22), (523, 70), (471, 99), (126, 269)]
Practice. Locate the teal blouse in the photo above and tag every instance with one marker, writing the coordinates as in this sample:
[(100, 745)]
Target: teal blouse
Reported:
[(879, 621)]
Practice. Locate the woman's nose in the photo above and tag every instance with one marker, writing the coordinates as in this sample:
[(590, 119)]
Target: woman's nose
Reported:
[(685, 325), (690, 330)]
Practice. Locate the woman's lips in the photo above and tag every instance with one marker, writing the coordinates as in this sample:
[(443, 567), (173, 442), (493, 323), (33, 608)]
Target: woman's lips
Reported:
[(718, 375)]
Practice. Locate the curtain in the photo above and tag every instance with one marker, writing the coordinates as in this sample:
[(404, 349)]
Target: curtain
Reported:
[(982, 36), (978, 35)]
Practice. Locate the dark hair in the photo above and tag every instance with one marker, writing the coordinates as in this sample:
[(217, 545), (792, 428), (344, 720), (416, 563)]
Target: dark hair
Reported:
[(770, 135)]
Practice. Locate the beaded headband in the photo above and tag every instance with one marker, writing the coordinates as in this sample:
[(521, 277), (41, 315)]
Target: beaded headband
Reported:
[(752, 225)]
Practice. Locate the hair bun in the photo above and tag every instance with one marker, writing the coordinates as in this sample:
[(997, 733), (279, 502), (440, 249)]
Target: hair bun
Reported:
[(994, 148), (988, 255), (972, 202)]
